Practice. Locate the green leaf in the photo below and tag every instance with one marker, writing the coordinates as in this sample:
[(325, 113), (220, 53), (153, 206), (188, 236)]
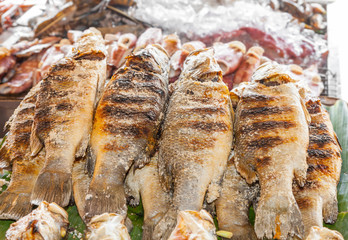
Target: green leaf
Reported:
[(77, 227), (136, 215), (4, 225)]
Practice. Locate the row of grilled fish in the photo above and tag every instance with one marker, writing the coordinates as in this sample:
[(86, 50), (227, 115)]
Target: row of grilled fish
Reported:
[(188, 161)]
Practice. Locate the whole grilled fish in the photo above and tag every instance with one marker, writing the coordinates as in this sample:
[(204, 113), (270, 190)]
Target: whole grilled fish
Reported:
[(196, 139), (125, 127), (145, 183), (48, 222), (232, 207), (64, 114), (271, 131), (317, 198), (15, 201)]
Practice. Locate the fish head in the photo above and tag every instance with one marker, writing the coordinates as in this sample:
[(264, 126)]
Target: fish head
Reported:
[(194, 225), (201, 66), (107, 226)]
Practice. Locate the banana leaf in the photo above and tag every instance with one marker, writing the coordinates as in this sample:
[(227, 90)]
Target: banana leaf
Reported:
[(339, 118)]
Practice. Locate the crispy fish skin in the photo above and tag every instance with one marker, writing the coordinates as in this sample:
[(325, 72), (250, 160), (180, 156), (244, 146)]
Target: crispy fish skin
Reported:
[(47, 222), (15, 201), (323, 233), (126, 123), (64, 114), (144, 183), (317, 198), (196, 138), (271, 131), (232, 207)]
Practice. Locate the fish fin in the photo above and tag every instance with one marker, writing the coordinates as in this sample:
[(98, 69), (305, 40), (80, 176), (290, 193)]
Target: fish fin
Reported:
[(14, 205), (166, 225), (5, 161), (330, 210), (245, 171), (132, 188), (278, 217), (141, 160), (98, 201), (35, 143), (147, 231), (301, 175), (305, 111), (52, 187), (90, 164), (128, 223), (213, 192), (82, 147)]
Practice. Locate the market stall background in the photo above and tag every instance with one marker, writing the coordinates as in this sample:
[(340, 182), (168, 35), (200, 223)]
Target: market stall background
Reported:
[(338, 113)]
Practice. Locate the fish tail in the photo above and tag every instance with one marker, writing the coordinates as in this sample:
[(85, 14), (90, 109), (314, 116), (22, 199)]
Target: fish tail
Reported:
[(14, 205), (147, 231), (278, 217), (52, 187), (111, 199), (330, 210), (166, 225)]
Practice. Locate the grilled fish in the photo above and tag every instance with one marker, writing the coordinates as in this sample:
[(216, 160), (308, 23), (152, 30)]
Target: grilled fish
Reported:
[(15, 201), (64, 114), (317, 198), (48, 221), (108, 226), (196, 139), (126, 123), (271, 133), (145, 183), (232, 207)]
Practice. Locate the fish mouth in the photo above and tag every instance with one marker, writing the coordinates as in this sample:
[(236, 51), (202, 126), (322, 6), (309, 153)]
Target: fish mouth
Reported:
[(272, 74)]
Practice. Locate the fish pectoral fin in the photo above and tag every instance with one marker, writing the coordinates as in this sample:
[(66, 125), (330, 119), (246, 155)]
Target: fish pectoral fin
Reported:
[(90, 163), (330, 209), (246, 171), (14, 205), (213, 192), (132, 188), (141, 160), (5, 161), (35, 144)]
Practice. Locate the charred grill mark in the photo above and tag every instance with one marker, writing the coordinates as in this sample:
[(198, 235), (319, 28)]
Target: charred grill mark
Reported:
[(207, 126), (208, 110), (267, 125), (43, 113), (67, 64), (150, 115), (93, 56), (43, 126), (152, 88), (130, 99), (304, 203), (265, 142), (258, 98), (115, 146), (264, 111), (318, 126), (24, 125), (200, 143), (23, 137), (321, 154), (318, 167), (64, 106), (25, 111), (263, 161), (320, 140), (313, 107), (137, 131)]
